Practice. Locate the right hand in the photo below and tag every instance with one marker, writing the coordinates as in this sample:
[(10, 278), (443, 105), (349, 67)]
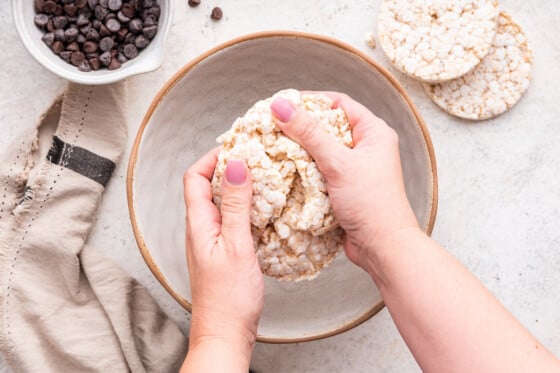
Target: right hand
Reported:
[(365, 183)]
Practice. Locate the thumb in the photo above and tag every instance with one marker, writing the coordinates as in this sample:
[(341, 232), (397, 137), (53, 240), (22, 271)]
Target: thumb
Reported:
[(235, 206), (298, 125)]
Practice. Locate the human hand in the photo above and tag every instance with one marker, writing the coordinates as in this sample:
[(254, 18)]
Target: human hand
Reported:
[(365, 183), (226, 280)]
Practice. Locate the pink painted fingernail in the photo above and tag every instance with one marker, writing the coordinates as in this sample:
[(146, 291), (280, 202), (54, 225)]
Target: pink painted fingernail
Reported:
[(236, 172), (282, 109)]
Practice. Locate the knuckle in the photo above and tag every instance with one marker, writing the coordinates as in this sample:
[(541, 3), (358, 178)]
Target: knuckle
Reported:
[(232, 204), (307, 130)]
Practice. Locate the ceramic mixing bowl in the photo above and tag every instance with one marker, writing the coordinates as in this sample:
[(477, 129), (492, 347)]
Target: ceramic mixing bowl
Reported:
[(201, 101)]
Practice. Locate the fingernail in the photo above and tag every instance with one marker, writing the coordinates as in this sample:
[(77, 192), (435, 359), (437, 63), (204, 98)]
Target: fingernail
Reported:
[(236, 172), (282, 109)]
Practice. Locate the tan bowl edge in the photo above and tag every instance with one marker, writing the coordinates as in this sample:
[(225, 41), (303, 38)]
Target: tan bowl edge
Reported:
[(183, 71)]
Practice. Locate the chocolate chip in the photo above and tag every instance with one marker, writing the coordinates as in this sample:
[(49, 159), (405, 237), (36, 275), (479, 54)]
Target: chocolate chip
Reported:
[(193, 3), (59, 22), (155, 11), (48, 38), (138, 5), (129, 38), (89, 47), (130, 51), (105, 58), (135, 26), (89, 56), (57, 47), (114, 64), (216, 14), (84, 66), (122, 18), (104, 3), (76, 58), (86, 12), (50, 26), (85, 29), (94, 63), (106, 44), (104, 31), (81, 3), (149, 3), (150, 31), (39, 5), (81, 39), (71, 34), (59, 35), (92, 35), (141, 42), (65, 55), (113, 25), (41, 20), (71, 10), (122, 34), (49, 7), (73, 47), (82, 21), (150, 20), (128, 10), (93, 3), (96, 24), (115, 5), (100, 12), (121, 58), (59, 11)]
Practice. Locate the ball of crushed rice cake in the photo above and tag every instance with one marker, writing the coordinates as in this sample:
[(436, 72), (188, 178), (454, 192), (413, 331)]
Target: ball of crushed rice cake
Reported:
[(294, 229)]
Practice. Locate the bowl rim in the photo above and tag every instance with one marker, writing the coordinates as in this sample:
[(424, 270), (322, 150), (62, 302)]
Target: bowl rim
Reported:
[(168, 86), (77, 76)]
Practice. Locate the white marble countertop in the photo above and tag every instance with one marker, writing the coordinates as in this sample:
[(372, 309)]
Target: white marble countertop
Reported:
[(499, 199)]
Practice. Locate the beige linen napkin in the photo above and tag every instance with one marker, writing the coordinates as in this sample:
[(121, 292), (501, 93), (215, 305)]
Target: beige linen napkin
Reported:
[(64, 307)]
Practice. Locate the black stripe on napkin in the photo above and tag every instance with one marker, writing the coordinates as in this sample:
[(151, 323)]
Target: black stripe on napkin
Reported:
[(81, 160)]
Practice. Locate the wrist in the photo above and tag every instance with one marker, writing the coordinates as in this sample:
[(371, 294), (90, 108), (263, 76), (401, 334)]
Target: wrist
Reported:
[(397, 242), (209, 328), (216, 354)]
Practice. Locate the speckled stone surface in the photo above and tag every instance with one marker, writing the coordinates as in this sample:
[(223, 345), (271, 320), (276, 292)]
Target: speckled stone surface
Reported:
[(499, 205)]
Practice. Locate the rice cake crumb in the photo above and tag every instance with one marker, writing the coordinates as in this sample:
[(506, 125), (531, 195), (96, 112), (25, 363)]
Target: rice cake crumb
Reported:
[(496, 84), (294, 228), (370, 40), (437, 40)]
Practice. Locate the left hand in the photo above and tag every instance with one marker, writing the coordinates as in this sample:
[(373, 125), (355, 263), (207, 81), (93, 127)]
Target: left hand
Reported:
[(226, 280)]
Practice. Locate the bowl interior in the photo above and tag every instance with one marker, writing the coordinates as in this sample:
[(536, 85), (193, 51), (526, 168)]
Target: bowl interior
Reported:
[(148, 59), (202, 103)]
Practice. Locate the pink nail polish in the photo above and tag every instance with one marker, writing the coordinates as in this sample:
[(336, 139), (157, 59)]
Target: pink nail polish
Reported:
[(236, 172), (282, 109)]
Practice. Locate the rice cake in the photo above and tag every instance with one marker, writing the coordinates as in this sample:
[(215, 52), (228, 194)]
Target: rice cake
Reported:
[(437, 40), (294, 228), (496, 84)]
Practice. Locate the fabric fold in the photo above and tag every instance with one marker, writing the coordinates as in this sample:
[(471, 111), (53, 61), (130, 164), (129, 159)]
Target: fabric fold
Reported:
[(63, 306)]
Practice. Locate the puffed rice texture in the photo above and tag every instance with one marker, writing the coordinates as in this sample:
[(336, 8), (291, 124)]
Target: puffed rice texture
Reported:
[(495, 85), (294, 228), (437, 40)]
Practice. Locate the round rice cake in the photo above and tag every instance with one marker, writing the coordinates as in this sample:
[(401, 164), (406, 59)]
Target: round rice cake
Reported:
[(496, 84), (437, 40), (294, 228)]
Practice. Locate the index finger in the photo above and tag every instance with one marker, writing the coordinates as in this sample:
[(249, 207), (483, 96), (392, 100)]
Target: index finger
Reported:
[(362, 120), (197, 178)]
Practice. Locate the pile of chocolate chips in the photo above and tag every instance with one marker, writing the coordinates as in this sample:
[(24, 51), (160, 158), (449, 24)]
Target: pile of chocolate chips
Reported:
[(92, 34)]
